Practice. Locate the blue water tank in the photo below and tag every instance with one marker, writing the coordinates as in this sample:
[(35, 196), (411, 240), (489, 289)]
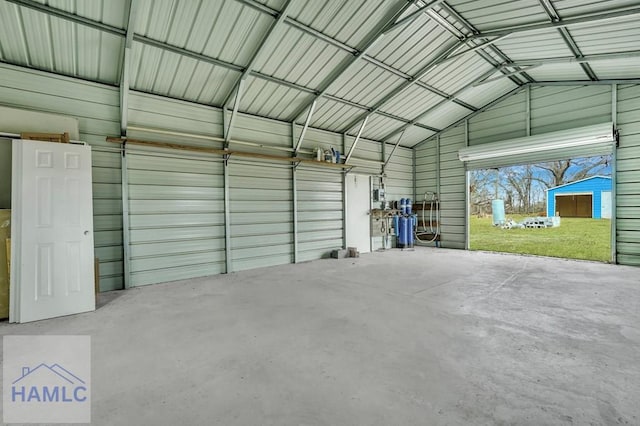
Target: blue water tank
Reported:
[(497, 209), (409, 231), (396, 224), (402, 233)]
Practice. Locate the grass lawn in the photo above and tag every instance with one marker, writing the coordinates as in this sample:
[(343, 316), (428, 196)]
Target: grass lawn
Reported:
[(575, 238)]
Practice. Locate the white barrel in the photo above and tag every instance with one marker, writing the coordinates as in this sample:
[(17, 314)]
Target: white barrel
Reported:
[(497, 209)]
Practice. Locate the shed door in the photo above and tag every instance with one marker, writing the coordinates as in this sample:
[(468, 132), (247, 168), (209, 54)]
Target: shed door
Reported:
[(357, 212), (574, 205), (605, 205)]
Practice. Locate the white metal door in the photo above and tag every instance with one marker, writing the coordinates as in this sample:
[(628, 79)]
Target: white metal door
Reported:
[(357, 214), (52, 243), (605, 205)]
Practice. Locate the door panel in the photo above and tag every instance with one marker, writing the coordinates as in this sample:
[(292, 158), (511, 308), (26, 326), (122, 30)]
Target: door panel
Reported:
[(357, 214), (583, 206), (53, 245), (605, 205)]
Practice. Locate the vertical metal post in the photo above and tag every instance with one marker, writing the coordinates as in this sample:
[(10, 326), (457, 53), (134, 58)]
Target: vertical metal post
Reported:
[(438, 243), (438, 166), (370, 218), (227, 204), (294, 186), (467, 196), (614, 158), (126, 231), (413, 170), (528, 110), (344, 198)]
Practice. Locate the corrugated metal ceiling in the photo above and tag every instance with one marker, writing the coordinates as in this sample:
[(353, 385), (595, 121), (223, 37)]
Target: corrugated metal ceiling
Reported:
[(197, 50)]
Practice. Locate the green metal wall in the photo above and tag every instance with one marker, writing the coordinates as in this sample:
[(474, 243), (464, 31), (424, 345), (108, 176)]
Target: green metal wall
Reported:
[(628, 176), (452, 189), (97, 109), (399, 173), (261, 215)]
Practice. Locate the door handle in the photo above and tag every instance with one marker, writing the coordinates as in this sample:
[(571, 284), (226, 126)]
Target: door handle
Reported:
[(86, 232)]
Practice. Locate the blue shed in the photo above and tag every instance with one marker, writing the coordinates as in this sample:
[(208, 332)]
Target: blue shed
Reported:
[(590, 197)]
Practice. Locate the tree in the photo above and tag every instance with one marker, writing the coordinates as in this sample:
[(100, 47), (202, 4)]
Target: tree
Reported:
[(566, 171)]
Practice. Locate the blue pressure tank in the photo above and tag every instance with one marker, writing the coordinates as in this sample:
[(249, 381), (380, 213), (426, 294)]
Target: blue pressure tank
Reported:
[(407, 209), (396, 225), (402, 233), (403, 205)]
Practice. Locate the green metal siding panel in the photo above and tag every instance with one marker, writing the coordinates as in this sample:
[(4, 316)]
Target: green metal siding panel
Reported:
[(399, 173), (452, 189), (561, 108), (263, 236), (505, 120), (176, 223), (426, 169), (628, 176), (97, 109), (319, 213)]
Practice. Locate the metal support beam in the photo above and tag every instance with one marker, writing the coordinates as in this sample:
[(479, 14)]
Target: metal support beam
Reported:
[(294, 189), (506, 74), (344, 197), (355, 142), (372, 38), (393, 150), (236, 105), (227, 208), (575, 60), (467, 215), (587, 82), (297, 146), (247, 70), (410, 18), (58, 13), (415, 175), (528, 110), (124, 167), (623, 12), (614, 171), (126, 237), (125, 70)]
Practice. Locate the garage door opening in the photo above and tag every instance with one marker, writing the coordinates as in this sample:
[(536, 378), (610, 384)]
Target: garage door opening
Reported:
[(574, 205), (560, 208)]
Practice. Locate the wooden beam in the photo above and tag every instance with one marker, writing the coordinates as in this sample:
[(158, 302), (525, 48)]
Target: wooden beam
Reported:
[(231, 153)]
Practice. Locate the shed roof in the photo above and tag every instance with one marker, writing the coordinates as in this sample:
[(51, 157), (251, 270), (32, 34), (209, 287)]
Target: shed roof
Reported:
[(416, 65), (578, 181)]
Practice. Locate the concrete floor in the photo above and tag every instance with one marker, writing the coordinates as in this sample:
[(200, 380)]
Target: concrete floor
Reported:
[(434, 337)]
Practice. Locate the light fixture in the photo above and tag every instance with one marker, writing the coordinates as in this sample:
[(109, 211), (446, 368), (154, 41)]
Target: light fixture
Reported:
[(597, 134)]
